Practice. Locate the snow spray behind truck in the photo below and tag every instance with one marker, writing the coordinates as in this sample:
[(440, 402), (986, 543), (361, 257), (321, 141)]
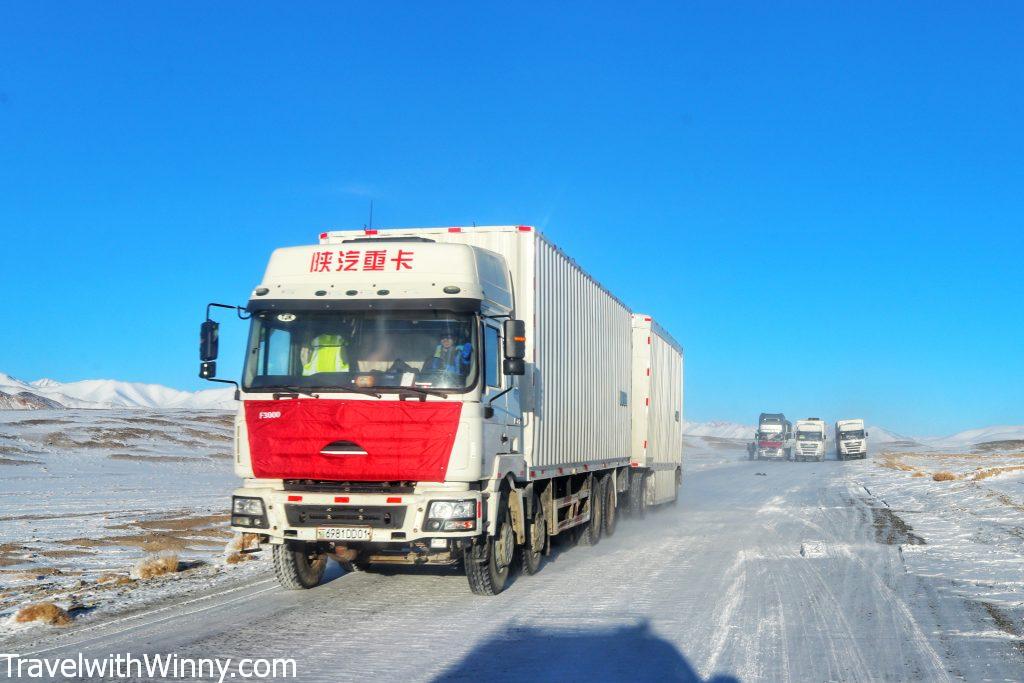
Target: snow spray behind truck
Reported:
[(444, 396)]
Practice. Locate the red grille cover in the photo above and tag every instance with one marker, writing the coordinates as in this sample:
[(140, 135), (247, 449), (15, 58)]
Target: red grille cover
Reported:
[(403, 440)]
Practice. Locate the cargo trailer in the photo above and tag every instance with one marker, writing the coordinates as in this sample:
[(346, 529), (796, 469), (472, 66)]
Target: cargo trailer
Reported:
[(657, 414)]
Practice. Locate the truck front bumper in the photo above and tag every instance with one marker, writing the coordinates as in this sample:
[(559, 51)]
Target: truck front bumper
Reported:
[(353, 519)]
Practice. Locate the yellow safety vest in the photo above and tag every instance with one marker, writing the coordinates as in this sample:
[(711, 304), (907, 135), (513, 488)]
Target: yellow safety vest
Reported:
[(327, 355)]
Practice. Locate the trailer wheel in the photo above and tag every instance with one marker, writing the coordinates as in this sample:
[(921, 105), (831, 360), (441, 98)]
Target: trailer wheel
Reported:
[(611, 514), (488, 575), (591, 533), (298, 566), (637, 496), (532, 552)]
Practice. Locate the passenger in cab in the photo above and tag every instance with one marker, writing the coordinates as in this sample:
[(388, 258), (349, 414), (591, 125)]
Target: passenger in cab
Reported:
[(325, 353)]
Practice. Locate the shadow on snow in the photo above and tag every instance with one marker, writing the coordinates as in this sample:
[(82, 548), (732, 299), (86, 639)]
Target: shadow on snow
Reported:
[(619, 653)]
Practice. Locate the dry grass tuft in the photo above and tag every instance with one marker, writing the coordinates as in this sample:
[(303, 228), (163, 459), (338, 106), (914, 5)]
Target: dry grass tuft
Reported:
[(46, 612), (993, 471), (944, 476), (155, 565), (237, 544), (235, 558), (919, 473), (115, 579)]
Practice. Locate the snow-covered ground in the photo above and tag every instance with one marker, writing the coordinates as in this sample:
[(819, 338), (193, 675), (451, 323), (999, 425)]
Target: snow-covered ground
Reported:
[(85, 494), (765, 571)]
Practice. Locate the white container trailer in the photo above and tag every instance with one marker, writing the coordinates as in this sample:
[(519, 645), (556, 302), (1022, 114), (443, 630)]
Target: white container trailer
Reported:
[(438, 395), (657, 414)]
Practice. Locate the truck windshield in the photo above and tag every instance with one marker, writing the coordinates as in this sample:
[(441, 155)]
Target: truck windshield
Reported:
[(852, 434), (364, 349), (808, 436)]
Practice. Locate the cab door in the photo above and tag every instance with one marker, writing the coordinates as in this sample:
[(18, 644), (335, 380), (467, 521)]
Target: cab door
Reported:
[(502, 422)]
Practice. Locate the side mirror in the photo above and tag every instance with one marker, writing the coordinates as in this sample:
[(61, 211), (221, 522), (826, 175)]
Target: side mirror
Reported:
[(515, 340), (208, 369), (209, 332), (865, 435), (514, 366)]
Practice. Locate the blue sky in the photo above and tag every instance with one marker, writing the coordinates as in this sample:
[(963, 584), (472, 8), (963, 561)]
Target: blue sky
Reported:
[(823, 203)]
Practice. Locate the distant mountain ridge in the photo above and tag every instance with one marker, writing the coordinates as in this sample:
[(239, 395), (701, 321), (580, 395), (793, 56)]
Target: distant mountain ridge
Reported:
[(16, 394)]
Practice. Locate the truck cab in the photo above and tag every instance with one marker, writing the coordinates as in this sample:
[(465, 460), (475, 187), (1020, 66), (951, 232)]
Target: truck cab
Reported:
[(810, 439), (851, 439), (773, 439)]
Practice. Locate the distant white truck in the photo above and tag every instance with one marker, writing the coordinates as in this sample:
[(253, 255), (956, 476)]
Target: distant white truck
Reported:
[(811, 435), (851, 439)]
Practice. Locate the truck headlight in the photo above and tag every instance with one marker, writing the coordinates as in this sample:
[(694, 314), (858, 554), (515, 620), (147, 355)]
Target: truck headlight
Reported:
[(452, 509), (451, 515), (247, 506), (248, 512)]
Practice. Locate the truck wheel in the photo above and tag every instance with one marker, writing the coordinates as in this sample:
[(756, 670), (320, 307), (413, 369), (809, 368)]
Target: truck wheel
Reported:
[(637, 499), (532, 552), (590, 534), (611, 515), (299, 566), (678, 484), (488, 574)]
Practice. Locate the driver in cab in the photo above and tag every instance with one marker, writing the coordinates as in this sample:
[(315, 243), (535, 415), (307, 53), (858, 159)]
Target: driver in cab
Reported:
[(450, 357)]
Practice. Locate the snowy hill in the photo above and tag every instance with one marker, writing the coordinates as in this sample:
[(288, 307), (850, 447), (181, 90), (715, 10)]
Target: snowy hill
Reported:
[(719, 429), (880, 435), (107, 393), (972, 437)]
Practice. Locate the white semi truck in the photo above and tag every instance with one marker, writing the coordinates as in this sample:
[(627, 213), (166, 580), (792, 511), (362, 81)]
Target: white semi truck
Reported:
[(810, 435), (851, 439), (773, 439), (444, 396)]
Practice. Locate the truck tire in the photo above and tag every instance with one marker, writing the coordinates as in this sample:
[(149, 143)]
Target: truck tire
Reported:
[(590, 533), (299, 566), (531, 553), (611, 514), (489, 563), (637, 497)]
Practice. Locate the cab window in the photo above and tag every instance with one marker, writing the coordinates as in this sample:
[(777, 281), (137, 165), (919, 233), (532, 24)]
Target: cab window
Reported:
[(492, 349)]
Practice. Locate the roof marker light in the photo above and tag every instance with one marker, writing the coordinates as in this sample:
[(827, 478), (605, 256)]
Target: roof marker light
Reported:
[(323, 236), (370, 231), (525, 228), (454, 229)]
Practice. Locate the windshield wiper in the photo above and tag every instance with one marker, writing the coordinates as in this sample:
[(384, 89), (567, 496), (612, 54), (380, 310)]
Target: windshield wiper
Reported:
[(424, 392), (299, 390), (293, 391)]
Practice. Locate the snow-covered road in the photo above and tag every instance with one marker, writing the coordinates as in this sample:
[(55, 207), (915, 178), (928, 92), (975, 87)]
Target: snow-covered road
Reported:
[(794, 575)]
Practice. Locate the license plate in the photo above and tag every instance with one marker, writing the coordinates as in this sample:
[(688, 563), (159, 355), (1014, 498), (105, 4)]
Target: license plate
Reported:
[(344, 533)]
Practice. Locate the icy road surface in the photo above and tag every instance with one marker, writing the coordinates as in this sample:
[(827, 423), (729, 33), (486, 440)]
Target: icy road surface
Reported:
[(794, 575)]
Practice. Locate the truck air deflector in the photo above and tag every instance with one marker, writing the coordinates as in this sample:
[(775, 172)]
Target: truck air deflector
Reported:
[(402, 440), (377, 302)]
